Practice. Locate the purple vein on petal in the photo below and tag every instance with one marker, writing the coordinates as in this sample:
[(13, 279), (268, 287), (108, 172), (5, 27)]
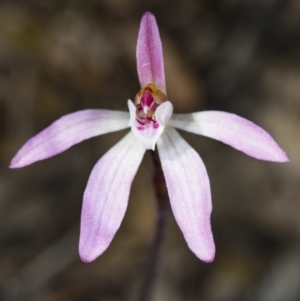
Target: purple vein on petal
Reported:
[(149, 54), (106, 196), (68, 131)]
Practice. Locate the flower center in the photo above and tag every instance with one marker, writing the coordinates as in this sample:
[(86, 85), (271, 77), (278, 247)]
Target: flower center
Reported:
[(146, 102)]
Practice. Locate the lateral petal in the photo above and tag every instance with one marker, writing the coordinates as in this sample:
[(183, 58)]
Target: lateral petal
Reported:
[(68, 131), (233, 130), (149, 54), (106, 196), (189, 191)]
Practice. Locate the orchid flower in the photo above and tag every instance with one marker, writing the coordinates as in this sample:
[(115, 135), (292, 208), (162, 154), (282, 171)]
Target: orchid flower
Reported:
[(152, 123)]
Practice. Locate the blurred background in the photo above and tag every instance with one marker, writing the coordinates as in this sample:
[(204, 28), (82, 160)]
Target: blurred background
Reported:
[(239, 56)]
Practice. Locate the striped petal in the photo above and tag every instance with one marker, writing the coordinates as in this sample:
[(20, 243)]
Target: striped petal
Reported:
[(189, 192), (68, 131), (149, 54), (106, 196), (233, 130)]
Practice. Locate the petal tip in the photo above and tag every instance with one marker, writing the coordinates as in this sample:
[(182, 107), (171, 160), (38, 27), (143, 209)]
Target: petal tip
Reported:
[(12, 165), (147, 14), (209, 259), (88, 253), (86, 258), (16, 163), (285, 159), (278, 157), (148, 17), (206, 256)]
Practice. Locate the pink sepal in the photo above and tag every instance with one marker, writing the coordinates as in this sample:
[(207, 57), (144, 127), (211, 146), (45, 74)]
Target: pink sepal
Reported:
[(106, 196), (233, 130), (189, 192), (149, 54), (68, 131)]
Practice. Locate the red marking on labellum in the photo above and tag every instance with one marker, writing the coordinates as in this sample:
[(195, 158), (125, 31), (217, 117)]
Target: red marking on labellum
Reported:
[(146, 102), (147, 99)]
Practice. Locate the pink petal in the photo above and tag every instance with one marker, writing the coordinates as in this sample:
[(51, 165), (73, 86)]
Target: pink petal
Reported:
[(149, 55), (189, 192), (106, 196), (68, 131), (233, 130)]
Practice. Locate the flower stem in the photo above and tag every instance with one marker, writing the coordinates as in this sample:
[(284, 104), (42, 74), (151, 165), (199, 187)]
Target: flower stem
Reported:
[(162, 206)]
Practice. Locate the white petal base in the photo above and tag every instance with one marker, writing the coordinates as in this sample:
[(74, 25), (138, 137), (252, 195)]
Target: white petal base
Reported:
[(149, 135)]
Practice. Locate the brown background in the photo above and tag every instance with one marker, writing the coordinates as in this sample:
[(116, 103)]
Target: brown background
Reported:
[(58, 57)]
